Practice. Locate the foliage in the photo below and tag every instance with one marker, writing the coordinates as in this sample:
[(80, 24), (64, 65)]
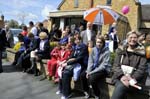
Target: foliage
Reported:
[(13, 24), (112, 57)]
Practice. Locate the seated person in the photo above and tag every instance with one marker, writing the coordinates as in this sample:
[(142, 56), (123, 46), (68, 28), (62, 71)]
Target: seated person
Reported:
[(21, 47), (40, 53), (98, 67), (52, 63), (64, 54), (64, 38), (129, 67), (77, 58), (24, 59), (67, 52)]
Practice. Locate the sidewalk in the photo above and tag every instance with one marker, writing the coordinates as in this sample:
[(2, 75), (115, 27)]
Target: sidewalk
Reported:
[(17, 85)]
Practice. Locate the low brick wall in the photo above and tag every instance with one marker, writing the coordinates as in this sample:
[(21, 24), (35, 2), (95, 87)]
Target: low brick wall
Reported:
[(10, 54), (106, 87)]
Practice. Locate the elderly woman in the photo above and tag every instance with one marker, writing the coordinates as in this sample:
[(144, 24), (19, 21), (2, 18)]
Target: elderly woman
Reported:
[(40, 53), (129, 66)]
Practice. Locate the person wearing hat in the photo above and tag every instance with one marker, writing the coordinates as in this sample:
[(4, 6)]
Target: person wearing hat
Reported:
[(40, 53)]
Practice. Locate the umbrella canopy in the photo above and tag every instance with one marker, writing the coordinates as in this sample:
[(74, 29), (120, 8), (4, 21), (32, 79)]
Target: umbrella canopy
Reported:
[(101, 15)]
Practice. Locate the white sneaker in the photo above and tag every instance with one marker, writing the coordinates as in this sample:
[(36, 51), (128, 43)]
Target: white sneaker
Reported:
[(58, 92), (63, 97), (86, 95), (96, 97)]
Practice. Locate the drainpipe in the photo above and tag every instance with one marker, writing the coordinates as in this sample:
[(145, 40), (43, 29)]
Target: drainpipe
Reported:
[(91, 3)]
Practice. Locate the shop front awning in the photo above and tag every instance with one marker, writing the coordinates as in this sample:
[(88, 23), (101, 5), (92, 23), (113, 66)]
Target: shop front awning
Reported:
[(74, 13)]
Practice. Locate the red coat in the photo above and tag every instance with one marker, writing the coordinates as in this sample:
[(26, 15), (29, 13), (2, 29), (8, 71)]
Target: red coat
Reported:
[(64, 54), (55, 53)]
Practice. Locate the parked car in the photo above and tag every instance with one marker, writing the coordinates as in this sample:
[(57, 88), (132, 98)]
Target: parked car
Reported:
[(15, 33)]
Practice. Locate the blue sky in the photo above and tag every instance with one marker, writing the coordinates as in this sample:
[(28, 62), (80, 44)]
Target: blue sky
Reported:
[(36, 10)]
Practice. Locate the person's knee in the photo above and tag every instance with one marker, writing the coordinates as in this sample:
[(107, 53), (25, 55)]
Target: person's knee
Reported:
[(120, 86), (66, 74)]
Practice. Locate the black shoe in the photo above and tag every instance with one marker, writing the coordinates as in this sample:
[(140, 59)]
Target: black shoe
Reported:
[(14, 63), (42, 78), (1, 71), (35, 74), (29, 71)]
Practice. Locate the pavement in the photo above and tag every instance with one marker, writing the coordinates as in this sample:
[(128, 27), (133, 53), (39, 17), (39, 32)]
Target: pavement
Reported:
[(15, 84)]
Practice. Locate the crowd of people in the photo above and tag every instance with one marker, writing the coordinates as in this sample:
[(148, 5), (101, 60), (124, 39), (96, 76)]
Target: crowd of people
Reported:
[(84, 55)]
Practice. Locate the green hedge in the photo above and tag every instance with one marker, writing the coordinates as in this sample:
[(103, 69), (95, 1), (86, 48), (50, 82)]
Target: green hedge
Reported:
[(112, 57)]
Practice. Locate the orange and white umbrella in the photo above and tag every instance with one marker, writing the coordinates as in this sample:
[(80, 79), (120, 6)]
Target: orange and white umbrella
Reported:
[(101, 15)]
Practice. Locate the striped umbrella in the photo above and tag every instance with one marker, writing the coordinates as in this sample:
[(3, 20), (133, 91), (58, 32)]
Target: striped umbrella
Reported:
[(101, 15)]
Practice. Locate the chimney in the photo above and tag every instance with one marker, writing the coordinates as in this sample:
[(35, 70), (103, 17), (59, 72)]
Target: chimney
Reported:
[(2, 17)]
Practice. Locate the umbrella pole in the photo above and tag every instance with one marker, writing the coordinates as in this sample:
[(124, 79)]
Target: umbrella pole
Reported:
[(99, 29), (100, 25)]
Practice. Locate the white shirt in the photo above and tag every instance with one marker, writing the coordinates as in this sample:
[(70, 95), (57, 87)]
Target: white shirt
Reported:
[(89, 34), (34, 31), (42, 42)]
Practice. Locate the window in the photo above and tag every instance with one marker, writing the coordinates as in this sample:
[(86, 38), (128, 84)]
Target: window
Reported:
[(76, 3), (108, 2)]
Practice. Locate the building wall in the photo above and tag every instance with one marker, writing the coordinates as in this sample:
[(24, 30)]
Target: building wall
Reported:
[(132, 16), (131, 21), (69, 5), (99, 2), (83, 4)]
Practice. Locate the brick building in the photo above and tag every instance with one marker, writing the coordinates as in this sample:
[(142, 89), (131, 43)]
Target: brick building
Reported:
[(2, 21), (71, 12), (145, 18)]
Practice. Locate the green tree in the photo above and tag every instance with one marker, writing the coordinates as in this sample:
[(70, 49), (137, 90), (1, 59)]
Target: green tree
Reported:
[(13, 23)]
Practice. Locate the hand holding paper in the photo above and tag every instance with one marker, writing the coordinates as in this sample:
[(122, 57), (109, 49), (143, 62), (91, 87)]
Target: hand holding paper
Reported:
[(133, 82)]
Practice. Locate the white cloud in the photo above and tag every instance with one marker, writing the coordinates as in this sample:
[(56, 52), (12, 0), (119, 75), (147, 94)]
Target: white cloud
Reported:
[(35, 10), (19, 14), (22, 16), (32, 16), (19, 4), (47, 8)]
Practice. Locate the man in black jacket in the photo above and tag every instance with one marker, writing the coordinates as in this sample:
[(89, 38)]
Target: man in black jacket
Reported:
[(3, 41)]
